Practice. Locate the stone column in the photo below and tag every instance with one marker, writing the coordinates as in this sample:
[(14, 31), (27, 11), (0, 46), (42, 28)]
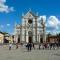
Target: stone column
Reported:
[(36, 28), (44, 35)]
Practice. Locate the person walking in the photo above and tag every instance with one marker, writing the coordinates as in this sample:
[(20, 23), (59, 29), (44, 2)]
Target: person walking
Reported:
[(27, 46), (33, 45), (10, 46), (30, 46), (39, 46), (16, 45)]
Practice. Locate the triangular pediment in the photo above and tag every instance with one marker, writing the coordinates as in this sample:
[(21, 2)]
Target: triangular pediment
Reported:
[(29, 14)]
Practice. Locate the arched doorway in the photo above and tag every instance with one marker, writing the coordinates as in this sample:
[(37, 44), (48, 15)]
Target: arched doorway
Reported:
[(18, 38), (41, 40), (30, 37), (6, 41)]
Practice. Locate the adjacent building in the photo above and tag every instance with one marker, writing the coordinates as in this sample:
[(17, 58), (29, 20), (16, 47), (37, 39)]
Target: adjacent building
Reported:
[(1, 37), (6, 38)]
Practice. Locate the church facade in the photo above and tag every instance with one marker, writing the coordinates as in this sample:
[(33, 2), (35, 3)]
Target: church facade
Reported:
[(31, 29)]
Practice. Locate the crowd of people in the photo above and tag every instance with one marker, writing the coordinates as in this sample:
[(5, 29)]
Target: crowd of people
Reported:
[(49, 46), (43, 46), (10, 46), (30, 46)]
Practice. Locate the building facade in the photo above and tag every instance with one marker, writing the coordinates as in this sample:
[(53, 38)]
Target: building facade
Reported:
[(31, 29), (53, 39), (5, 38), (1, 37)]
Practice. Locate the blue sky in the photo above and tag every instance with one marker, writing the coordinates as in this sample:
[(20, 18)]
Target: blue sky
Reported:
[(11, 11)]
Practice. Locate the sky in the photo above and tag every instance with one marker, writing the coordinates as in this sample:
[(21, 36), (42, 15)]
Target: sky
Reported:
[(11, 12)]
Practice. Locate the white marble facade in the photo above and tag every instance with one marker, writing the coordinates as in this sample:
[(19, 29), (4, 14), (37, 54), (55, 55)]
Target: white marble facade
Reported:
[(29, 30)]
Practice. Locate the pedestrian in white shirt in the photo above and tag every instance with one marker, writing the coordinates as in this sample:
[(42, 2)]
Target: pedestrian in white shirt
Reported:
[(10, 46)]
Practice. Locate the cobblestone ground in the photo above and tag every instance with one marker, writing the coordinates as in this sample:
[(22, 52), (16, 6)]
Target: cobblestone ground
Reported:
[(23, 54)]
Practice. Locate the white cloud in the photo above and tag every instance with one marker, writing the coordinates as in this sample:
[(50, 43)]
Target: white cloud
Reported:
[(53, 24), (42, 17), (2, 1), (8, 24), (4, 7), (53, 21), (57, 27)]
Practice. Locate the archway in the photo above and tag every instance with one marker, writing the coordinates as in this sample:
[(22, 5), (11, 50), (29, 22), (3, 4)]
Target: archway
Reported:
[(30, 37), (18, 38), (41, 40), (6, 41)]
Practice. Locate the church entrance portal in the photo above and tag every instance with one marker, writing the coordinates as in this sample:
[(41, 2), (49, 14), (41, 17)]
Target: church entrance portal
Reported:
[(30, 39), (18, 38), (41, 40)]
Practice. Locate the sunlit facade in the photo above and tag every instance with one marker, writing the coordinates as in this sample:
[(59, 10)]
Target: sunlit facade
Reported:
[(31, 29)]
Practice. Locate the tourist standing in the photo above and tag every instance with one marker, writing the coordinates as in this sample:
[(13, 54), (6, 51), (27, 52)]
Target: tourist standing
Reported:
[(29, 46)]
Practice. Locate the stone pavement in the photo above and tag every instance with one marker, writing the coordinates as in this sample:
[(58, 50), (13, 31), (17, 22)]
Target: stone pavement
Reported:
[(23, 54)]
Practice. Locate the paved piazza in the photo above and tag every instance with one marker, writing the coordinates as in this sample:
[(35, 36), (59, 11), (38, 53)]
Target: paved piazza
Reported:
[(23, 54)]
